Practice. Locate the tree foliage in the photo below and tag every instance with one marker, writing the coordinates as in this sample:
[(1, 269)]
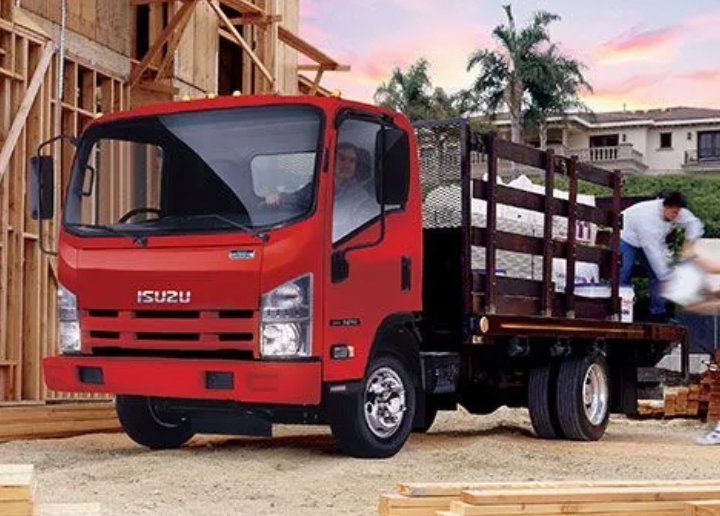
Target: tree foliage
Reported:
[(504, 76), (411, 92)]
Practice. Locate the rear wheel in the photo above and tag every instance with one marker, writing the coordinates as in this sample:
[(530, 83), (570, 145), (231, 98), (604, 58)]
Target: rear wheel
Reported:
[(542, 402), (583, 401), (148, 426), (375, 421)]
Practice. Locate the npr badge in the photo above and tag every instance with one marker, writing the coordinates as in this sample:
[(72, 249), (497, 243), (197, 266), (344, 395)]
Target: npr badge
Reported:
[(241, 254)]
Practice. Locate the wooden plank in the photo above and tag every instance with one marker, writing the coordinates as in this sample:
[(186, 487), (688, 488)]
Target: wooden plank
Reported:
[(173, 44), (47, 429), (455, 489), (17, 482), (548, 251), (27, 102), (241, 41), (552, 509), (615, 256), (593, 174), (243, 6), (600, 494), (534, 245), (491, 234), (705, 508), (256, 19), (571, 238), (536, 202), (399, 505), (305, 48), (508, 286), (157, 45), (16, 508)]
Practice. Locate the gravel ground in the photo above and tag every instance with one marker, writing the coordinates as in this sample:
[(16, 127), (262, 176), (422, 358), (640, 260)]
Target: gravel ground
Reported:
[(298, 472)]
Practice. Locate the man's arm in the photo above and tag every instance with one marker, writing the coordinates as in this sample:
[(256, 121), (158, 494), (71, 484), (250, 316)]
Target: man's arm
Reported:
[(693, 226), (654, 249)]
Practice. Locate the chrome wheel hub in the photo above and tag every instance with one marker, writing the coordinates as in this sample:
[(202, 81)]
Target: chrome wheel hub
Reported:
[(384, 402), (595, 394)]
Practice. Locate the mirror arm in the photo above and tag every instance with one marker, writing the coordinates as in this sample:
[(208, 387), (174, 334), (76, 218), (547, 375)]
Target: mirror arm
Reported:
[(41, 239)]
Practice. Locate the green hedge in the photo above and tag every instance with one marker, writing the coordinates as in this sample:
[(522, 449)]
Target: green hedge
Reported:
[(702, 194)]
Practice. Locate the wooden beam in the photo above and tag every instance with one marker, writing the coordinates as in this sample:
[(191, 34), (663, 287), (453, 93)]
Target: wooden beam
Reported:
[(158, 87), (147, 2), (316, 82), (328, 68), (256, 19), (173, 45), (27, 102), (305, 84), (186, 10), (243, 6), (241, 41), (304, 47)]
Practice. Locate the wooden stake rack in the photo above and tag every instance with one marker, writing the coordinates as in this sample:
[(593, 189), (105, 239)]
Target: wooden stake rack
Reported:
[(17, 496), (610, 498)]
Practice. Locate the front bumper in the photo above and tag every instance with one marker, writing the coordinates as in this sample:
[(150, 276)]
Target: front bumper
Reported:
[(286, 383)]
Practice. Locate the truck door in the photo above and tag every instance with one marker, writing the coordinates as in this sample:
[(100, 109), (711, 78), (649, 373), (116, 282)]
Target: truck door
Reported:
[(379, 269)]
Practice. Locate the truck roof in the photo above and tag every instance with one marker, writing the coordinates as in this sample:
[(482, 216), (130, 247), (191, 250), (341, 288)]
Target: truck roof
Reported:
[(231, 101)]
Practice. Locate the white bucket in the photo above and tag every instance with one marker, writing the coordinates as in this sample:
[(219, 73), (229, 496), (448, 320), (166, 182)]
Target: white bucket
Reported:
[(603, 290)]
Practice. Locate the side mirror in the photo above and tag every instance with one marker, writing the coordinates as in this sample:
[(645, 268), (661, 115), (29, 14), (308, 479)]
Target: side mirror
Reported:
[(41, 188), (392, 182)]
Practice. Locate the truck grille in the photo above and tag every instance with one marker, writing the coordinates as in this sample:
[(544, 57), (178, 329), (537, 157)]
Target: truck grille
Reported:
[(202, 330)]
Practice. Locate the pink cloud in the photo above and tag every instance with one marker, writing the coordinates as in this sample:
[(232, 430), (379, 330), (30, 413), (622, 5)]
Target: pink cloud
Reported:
[(703, 75), (639, 45)]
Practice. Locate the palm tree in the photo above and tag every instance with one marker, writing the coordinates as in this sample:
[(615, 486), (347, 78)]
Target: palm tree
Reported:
[(411, 92), (554, 84), (504, 76), (407, 92)]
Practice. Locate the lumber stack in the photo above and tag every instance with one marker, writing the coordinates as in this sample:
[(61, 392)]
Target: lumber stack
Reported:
[(60, 420), (660, 498), (17, 496)]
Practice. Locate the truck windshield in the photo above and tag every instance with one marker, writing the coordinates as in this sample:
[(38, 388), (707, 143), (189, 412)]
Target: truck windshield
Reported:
[(219, 170)]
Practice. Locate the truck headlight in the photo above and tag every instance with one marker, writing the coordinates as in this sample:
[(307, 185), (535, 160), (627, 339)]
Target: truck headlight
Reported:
[(286, 319), (69, 330)]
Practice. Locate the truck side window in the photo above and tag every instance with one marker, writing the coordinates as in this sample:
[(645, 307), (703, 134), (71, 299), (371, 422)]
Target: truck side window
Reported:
[(354, 201)]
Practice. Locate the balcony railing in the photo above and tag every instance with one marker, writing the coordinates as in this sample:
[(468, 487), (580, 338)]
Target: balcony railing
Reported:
[(711, 156), (600, 154)]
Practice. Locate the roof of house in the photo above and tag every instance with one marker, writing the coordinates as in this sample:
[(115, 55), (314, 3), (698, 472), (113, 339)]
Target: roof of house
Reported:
[(654, 117)]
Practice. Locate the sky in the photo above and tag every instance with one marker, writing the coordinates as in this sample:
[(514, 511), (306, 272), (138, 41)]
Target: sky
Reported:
[(639, 54)]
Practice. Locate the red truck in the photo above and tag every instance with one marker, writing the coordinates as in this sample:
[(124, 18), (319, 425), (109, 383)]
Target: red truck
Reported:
[(273, 262)]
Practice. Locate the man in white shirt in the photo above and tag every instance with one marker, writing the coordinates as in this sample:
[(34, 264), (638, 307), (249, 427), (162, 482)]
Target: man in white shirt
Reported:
[(646, 226)]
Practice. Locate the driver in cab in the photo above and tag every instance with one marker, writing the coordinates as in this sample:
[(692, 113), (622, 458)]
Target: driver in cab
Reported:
[(353, 203)]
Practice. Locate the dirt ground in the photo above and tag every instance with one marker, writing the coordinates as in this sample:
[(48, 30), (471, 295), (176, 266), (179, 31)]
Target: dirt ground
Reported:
[(298, 472)]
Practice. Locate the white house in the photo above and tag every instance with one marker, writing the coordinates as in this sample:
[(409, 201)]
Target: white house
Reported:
[(657, 141)]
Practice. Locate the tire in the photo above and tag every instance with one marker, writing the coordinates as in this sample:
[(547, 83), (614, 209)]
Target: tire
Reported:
[(431, 411), (542, 402), (144, 425), (584, 414), (359, 431)]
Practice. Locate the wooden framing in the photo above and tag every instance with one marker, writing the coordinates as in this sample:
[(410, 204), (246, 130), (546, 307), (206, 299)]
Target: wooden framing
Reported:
[(31, 112), (101, 74)]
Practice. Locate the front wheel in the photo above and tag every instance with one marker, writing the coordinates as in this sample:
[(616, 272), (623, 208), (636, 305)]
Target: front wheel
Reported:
[(145, 424), (583, 397), (376, 421)]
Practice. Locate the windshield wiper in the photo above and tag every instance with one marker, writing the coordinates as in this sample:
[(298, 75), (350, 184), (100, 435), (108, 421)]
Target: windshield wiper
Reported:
[(138, 239), (259, 234)]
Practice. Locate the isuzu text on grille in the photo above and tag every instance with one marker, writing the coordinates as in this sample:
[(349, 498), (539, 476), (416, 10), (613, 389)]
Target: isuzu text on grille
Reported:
[(163, 296)]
